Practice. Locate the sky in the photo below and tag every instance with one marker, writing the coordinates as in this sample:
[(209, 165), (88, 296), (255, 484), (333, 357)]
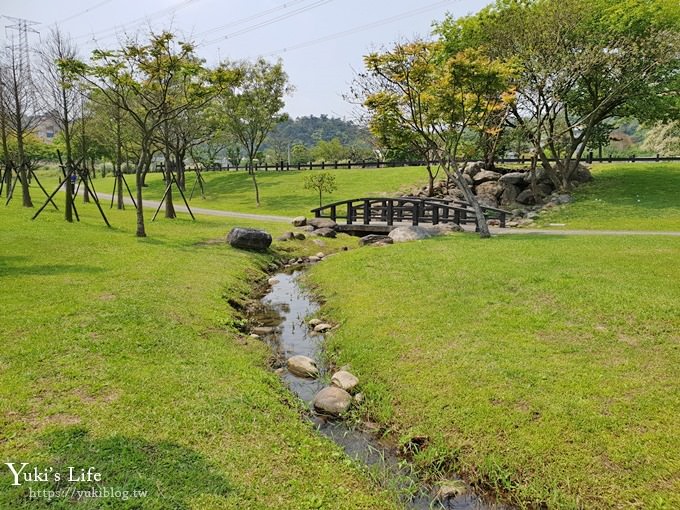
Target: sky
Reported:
[(321, 42)]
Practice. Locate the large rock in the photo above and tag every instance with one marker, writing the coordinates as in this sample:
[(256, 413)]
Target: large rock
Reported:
[(322, 223), (332, 400), (324, 232), (509, 195), (376, 239), (487, 200), (526, 197), (489, 188), (513, 177), (344, 380), (299, 221), (485, 175), (302, 366), (249, 239), (582, 174), (409, 233), (473, 168)]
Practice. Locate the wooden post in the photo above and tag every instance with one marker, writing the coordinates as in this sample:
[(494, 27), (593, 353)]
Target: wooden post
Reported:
[(363, 163), (323, 165), (350, 213), (333, 213), (416, 212), (503, 219), (456, 216), (335, 165), (390, 212), (367, 212), (435, 214)]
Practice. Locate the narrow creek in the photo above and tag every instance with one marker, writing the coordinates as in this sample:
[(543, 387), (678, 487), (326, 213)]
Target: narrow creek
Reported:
[(285, 308)]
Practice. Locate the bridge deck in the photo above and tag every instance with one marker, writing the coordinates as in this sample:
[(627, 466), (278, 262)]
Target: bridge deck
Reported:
[(382, 214)]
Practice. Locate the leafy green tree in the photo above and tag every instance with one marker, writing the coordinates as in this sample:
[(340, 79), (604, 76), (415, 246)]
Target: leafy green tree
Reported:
[(323, 182), (299, 154), (143, 80), (663, 139), (331, 150), (253, 108), (394, 89), (580, 62)]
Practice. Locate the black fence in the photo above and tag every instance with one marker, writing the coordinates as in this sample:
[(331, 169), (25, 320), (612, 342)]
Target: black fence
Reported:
[(283, 166)]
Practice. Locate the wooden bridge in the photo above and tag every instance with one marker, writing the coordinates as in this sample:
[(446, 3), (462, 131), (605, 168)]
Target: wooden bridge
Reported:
[(381, 215)]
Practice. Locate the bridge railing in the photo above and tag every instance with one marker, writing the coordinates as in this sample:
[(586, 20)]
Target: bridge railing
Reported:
[(404, 209)]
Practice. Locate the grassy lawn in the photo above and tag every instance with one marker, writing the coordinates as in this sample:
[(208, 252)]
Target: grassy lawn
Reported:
[(625, 196), (122, 354), (281, 193), (547, 369)]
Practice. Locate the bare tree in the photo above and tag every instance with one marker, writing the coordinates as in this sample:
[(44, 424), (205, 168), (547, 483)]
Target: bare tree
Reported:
[(21, 106), (60, 98)]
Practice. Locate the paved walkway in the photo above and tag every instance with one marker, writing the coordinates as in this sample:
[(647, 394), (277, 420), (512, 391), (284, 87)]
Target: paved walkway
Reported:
[(153, 204)]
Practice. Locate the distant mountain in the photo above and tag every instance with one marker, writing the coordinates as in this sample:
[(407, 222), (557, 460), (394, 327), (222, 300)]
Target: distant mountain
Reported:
[(308, 131)]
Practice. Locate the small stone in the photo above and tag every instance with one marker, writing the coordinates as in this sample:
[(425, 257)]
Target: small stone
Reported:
[(325, 232), (279, 371), (286, 237), (272, 281), (263, 330), (299, 221), (253, 335), (307, 228), (451, 490), (332, 400), (345, 380), (313, 259), (302, 366), (359, 398), (322, 223), (300, 236), (375, 239), (320, 255), (314, 322), (409, 233), (320, 328)]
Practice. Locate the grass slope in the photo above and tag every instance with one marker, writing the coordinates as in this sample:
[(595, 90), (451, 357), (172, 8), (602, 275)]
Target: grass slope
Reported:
[(625, 196), (120, 353), (281, 193), (547, 369)]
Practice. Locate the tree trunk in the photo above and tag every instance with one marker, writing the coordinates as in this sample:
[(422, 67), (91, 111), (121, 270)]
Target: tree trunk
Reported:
[(144, 162), (430, 181), (257, 190), (169, 206), (23, 170), (119, 164), (471, 198)]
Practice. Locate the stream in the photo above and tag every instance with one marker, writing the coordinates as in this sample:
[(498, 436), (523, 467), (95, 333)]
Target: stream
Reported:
[(285, 308)]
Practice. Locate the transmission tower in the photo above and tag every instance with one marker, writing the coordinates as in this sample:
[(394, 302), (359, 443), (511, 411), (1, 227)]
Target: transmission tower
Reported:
[(23, 27)]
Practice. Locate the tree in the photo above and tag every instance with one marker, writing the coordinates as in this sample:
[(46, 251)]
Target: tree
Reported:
[(20, 105), (394, 89), (423, 97), (250, 112), (331, 150), (663, 139), (143, 81), (580, 62), (61, 99), (323, 182)]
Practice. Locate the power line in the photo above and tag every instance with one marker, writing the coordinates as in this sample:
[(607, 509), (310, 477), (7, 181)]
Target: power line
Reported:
[(109, 32), (271, 21), (73, 16), (250, 18), (361, 28)]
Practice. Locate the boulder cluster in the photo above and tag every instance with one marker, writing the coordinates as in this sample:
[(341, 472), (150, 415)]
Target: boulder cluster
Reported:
[(502, 187), (319, 227)]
